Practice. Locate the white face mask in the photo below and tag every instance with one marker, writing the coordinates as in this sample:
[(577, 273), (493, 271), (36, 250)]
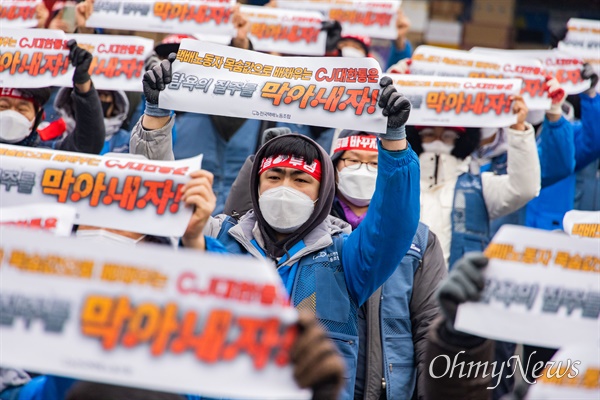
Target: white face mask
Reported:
[(112, 126), (437, 147), (352, 52), (100, 235), (285, 209), (357, 185), (14, 126)]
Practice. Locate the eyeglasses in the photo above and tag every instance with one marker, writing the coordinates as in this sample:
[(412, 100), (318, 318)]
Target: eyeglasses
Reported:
[(448, 136), (354, 164)]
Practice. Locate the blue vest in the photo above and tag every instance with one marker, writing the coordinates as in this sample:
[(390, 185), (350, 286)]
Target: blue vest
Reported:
[(396, 328), (196, 134), (469, 218), (587, 195), (320, 287), (498, 166)]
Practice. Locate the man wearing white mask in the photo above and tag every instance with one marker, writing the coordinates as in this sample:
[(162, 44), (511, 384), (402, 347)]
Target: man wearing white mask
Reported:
[(324, 269), (394, 322), (21, 111)]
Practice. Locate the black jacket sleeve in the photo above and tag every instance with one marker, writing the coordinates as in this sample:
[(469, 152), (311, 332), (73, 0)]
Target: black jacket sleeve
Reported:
[(424, 307), (89, 133)]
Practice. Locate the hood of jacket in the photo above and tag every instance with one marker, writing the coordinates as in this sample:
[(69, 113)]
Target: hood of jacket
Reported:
[(64, 105), (318, 238), (273, 247)]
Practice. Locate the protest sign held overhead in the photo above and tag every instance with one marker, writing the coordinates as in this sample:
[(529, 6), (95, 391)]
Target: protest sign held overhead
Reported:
[(468, 102), (31, 58), (19, 13), (320, 91), (285, 31), (537, 281), (579, 27), (373, 18), (55, 218), (170, 16), (565, 67), (118, 60), (110, 192), (131, 315), (430, 60)]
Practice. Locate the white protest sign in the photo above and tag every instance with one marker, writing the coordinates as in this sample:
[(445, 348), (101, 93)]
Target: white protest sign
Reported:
[(55, 218), (133, 315), (118, 62), (170, 16), (321, 91), (467, 102), (565, 67), (542, 288), (19, 13), (108, 191), (579, 27), (32, 58), (285, 31), (582, 223), (372, 18), (573, 373), (430, 60), (589, 52)]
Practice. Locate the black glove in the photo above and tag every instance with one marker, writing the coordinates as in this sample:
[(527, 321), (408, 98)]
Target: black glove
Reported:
[(587, 72), (334, 34), (317, 364), (271, 133), (81, 59), (464, 283), (157, 78), (151, 61), (395, 106)]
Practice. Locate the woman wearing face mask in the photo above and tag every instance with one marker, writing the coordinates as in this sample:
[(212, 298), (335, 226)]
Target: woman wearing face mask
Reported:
[(21, 111), (402, 309), (115, 108), (458, 204)]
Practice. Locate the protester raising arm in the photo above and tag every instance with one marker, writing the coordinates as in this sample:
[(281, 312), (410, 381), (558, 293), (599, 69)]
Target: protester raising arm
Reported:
[(506, 193), (386, 233), (587, 133), (89, 133), (152, 135)]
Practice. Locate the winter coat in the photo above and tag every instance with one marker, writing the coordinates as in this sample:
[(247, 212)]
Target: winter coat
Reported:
[(502, 194), (88, 134), (548, 210)]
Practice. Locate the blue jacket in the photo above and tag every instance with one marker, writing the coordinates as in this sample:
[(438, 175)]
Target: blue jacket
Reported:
[(397, 55), (196, 134), (118, 143), (332, 273), (548, 209), (556, 149)]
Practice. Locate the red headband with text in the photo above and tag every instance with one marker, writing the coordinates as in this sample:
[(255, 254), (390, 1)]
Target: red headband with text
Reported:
[(17, 94), (286, 161), (356, 142)]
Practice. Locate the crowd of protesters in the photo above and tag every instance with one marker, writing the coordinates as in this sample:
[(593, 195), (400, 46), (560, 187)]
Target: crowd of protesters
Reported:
[(402, 209)]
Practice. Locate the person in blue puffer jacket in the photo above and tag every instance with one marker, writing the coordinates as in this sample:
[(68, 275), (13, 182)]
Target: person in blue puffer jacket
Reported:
[(548, 210)]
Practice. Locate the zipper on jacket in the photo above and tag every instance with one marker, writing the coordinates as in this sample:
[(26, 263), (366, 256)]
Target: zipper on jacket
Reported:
[(383, 383), (435, 171)]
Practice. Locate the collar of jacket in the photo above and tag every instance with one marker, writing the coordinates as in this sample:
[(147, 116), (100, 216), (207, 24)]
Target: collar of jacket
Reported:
[(317, 239), (437, 170)]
